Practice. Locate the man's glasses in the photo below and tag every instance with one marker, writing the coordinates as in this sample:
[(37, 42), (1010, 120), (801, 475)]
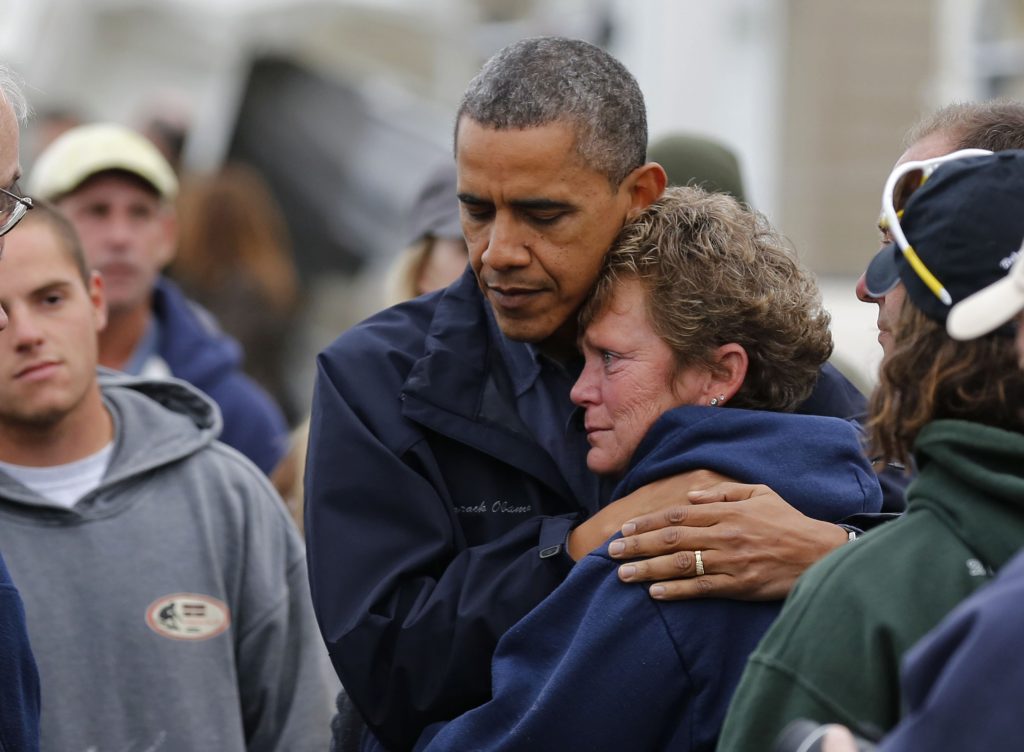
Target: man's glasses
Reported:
[(899, 187), (13, 206)]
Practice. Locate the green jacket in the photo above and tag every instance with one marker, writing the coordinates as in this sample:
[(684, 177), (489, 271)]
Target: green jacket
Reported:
[(834, 653)]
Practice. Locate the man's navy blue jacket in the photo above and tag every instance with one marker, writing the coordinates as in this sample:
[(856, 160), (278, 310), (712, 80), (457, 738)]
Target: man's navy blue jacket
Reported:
[(434, 520), (599, 664), (19, 678), (196, 351)]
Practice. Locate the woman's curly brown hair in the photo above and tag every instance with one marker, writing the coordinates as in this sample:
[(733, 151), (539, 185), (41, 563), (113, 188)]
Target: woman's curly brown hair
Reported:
[(715, 273), (928, 376)]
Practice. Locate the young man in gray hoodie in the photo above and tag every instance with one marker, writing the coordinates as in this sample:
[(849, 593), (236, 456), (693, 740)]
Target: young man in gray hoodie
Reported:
[(164, 586)]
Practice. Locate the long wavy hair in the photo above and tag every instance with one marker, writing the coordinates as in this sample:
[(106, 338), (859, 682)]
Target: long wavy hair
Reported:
[(929, 376)]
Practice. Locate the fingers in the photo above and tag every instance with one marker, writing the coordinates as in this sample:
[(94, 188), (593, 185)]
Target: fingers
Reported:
[(728, 572), (670, 567), (665, 540), (676, 576), (727, 492), (672, 516), (712, 586)]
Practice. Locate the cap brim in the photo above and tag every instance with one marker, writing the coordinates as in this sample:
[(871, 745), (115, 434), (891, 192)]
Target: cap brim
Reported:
[(986, 310), (882, 274)]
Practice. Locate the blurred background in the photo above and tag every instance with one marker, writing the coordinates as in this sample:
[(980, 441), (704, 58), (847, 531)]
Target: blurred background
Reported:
[(343, 107)]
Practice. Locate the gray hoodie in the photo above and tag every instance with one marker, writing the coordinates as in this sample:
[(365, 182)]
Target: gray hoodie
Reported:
[(169, 608)]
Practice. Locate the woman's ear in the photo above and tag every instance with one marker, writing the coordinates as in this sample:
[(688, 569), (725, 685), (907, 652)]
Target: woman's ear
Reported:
[(730, 369)]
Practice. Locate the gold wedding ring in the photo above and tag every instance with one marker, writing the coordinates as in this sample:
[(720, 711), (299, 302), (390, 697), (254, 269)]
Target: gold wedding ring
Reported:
[(700, 563)]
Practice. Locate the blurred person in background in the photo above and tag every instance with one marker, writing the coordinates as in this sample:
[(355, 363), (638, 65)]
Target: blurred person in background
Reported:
[(234, 259), (692, 159), (164, 585), (960, 411), (436, 255), (165, 118), (447, 492), (48, 125), (19, 677), (118, 190)]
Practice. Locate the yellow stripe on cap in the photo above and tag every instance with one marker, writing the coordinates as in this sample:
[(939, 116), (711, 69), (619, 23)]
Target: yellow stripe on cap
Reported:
[(926, 276)]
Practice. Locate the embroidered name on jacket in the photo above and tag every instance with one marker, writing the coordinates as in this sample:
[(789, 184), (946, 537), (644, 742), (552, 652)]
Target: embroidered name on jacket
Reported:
[(498, 507), (188, 616)]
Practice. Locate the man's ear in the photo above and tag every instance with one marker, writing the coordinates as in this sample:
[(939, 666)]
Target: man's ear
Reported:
[(99, 301), (731, 369), (168, 236), (645, 185)]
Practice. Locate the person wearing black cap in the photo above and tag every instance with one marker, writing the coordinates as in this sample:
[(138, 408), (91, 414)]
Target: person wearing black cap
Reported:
[(957, 407)]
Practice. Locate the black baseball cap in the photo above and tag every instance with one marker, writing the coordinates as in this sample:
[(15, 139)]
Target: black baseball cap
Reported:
[(966, 223)]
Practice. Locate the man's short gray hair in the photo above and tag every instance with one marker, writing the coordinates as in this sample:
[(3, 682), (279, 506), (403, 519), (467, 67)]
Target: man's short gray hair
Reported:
[(10, 91), (544, 80)]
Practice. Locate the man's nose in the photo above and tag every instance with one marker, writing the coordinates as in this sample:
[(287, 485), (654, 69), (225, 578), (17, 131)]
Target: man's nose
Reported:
[(119, 231), (505, 246), (862, 291), (22, 328)]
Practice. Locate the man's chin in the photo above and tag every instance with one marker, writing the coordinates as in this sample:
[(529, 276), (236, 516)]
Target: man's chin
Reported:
[(522, 329), (35, 418)]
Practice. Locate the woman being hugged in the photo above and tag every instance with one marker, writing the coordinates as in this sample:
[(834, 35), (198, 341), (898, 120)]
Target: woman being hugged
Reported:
[(701, 336)]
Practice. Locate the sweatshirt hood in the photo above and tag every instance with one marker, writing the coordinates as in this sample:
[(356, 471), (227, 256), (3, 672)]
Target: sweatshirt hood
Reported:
[(156, 423), (973, 474), (815, 463)]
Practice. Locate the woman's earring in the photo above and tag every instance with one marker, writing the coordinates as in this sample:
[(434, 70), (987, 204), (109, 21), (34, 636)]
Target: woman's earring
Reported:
[(716, 401)]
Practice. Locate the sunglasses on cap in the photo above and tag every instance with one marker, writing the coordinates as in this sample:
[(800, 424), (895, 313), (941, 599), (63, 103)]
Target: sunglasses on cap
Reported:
[(901, 184)]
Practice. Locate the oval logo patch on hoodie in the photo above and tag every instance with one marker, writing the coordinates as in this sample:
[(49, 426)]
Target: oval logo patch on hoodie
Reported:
[(188, 616)]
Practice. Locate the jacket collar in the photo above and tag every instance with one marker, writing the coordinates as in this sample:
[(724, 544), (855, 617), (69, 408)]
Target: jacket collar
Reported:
[(461, 386)]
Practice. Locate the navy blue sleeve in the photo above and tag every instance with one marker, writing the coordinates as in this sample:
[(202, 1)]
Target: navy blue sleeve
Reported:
[(835, 396), (963, 682), (19, 679), (410, 613), (253, 423)]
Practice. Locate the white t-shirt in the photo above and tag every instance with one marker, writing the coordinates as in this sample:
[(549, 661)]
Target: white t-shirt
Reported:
[(63, 485)]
